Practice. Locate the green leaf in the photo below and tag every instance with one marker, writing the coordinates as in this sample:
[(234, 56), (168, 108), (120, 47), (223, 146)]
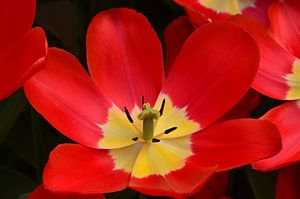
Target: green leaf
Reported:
[(10, 110), (14, 183), (263, 184)]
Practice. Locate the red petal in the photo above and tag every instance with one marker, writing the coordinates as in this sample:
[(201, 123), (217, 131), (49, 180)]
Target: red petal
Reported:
[(178, 184), (260, 11), (235, 143), (78, 169), (286, 118), (288, 183), (194, 6), (175, 35), (285, 24), (275, 64), (66, 96), (196, 18), (216, 187), (204, 77), (41, 193), (22, 60), (16, 18), (125, 57)]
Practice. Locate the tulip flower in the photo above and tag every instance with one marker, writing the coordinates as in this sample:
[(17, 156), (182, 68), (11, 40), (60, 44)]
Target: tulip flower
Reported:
[(136, 129), (199, 10), (22, 49), (278, 76), (41, 193)]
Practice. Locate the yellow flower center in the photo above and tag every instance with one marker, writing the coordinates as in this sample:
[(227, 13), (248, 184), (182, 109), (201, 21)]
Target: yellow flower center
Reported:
[(149, 142), (293, 81), (228, 6)]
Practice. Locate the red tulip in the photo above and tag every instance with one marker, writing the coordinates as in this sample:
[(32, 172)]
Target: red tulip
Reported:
[(135, 128), (222, 10), (279, 75), (22, 49)]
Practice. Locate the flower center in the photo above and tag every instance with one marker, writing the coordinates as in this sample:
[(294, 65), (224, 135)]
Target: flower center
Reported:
[(149, 140), (228, 6), (147, 125), (293, 81), (150, 117)]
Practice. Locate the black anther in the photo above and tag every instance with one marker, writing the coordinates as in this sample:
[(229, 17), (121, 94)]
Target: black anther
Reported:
[(143, 100), (161, 111), (170, 130), (128, 115), (155, 140)]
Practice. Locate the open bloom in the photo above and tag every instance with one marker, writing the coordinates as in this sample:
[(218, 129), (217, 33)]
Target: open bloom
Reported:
[(41, 193), (22, 49), (279, 75), (137, 129), (222, 10)]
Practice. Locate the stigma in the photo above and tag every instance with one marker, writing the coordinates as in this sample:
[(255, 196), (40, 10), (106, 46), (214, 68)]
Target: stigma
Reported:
[(149, 117)]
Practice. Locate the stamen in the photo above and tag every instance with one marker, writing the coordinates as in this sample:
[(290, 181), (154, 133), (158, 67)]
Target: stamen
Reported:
[(143, 100), (170, 130), (128, 115), (161, 111), (155, 140), (135, 139)]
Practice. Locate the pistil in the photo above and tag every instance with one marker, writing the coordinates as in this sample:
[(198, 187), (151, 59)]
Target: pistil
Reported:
[(150, 119), (149, 116)]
